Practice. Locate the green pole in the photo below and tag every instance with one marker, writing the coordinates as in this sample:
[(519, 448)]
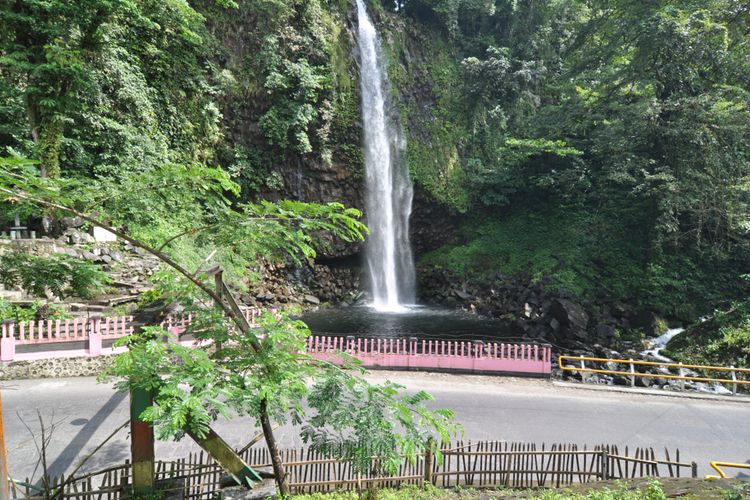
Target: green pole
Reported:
[(229, 460), (142, 443)]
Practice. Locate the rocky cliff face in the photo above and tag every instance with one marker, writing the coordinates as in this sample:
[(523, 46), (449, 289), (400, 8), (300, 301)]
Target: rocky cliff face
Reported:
[(338, 176)]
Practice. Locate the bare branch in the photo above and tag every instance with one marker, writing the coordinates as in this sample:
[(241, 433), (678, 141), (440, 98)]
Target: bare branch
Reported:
[(61, 488)]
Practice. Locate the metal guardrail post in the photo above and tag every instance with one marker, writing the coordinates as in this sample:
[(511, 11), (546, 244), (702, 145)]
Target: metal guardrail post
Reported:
[(630, 373), (682, 374), (717, 466)]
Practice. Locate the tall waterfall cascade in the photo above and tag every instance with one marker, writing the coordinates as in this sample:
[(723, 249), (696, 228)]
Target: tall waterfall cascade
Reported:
[(388, 187)]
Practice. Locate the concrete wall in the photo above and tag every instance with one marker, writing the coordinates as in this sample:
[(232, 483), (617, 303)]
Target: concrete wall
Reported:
[(55, 368)]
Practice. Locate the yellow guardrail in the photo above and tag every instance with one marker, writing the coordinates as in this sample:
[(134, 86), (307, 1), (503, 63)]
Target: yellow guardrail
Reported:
[(633, 363), (718, 465)]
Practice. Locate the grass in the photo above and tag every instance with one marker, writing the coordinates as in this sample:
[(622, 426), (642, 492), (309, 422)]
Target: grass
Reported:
[(636, 489)]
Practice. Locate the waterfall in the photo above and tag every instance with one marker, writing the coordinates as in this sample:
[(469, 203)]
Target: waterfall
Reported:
[(388, 186)]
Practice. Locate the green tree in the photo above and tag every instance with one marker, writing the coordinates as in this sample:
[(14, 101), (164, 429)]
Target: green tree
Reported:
[(45, 50), (260, 372)]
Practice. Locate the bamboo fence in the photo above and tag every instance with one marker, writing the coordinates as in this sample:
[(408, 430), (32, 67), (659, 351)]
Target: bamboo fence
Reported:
[(482, 464)]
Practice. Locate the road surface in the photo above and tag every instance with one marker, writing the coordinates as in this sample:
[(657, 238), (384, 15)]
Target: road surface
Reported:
[(80, 413)]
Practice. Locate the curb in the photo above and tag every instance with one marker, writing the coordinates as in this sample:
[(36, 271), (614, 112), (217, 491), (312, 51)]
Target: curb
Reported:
[(653, 392)]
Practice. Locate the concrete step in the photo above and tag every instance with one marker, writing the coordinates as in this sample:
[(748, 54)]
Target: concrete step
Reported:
[(11, 295)]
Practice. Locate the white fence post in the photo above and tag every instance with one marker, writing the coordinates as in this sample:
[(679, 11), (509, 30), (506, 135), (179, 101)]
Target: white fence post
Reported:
[(632, 370), (584, 375), (734, 379)]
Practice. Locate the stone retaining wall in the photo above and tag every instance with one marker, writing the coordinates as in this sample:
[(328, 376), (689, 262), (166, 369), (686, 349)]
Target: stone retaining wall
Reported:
[(54, 368)]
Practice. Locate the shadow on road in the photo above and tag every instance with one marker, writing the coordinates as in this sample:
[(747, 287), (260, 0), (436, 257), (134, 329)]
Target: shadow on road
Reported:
[(68, 455)]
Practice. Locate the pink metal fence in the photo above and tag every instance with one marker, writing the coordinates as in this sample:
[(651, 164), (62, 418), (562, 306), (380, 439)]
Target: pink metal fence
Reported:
[(47, 337), (91, 331), (454, 355)]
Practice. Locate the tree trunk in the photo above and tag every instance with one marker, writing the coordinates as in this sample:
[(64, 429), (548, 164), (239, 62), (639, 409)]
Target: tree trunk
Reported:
[(278, 465)]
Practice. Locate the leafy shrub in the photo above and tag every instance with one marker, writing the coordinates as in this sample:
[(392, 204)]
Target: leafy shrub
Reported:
[(36, 311), (58, 274), (722, 339), (653, 491)]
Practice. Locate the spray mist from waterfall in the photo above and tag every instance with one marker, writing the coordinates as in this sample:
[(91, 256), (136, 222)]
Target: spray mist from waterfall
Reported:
[(388, 189)]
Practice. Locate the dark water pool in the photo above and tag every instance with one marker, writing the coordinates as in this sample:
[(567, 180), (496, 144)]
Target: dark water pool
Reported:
[(420, 322)]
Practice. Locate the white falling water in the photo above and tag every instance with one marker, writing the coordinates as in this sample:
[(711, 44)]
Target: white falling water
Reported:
[(389, 189)]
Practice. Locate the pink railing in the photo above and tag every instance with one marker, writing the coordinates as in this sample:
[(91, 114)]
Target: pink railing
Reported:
[(90, 331), (451, 355), (470, 356)]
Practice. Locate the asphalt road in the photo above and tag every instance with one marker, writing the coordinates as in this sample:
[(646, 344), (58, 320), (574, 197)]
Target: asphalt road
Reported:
[(79, 413)]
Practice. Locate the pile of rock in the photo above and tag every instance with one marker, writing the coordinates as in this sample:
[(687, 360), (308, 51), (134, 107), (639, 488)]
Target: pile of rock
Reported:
[(129, 268), (283, 284), (540, 311), (337, 285)]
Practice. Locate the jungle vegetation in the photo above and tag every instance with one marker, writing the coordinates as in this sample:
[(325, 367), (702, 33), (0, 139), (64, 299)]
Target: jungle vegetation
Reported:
[(601, 143)]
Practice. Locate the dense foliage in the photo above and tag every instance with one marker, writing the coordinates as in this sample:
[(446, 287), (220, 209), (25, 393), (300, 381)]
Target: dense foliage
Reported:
[(611, 136), (102, 87), (723, 339), (616, 130)]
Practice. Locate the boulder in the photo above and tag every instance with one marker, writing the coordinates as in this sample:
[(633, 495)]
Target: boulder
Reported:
[(647, 321), (312, 299), (605, 333), (69, 222), (89, 256), (571, 316)]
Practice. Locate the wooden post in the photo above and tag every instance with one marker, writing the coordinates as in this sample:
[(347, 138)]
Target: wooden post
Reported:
[(4, 482), (604, 467), (142, 443), (219, 282), (428, 462), (694, 470), (219, 285)]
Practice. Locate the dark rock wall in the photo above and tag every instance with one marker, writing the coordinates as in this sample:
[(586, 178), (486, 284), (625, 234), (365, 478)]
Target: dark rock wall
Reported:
[(340, 177)]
